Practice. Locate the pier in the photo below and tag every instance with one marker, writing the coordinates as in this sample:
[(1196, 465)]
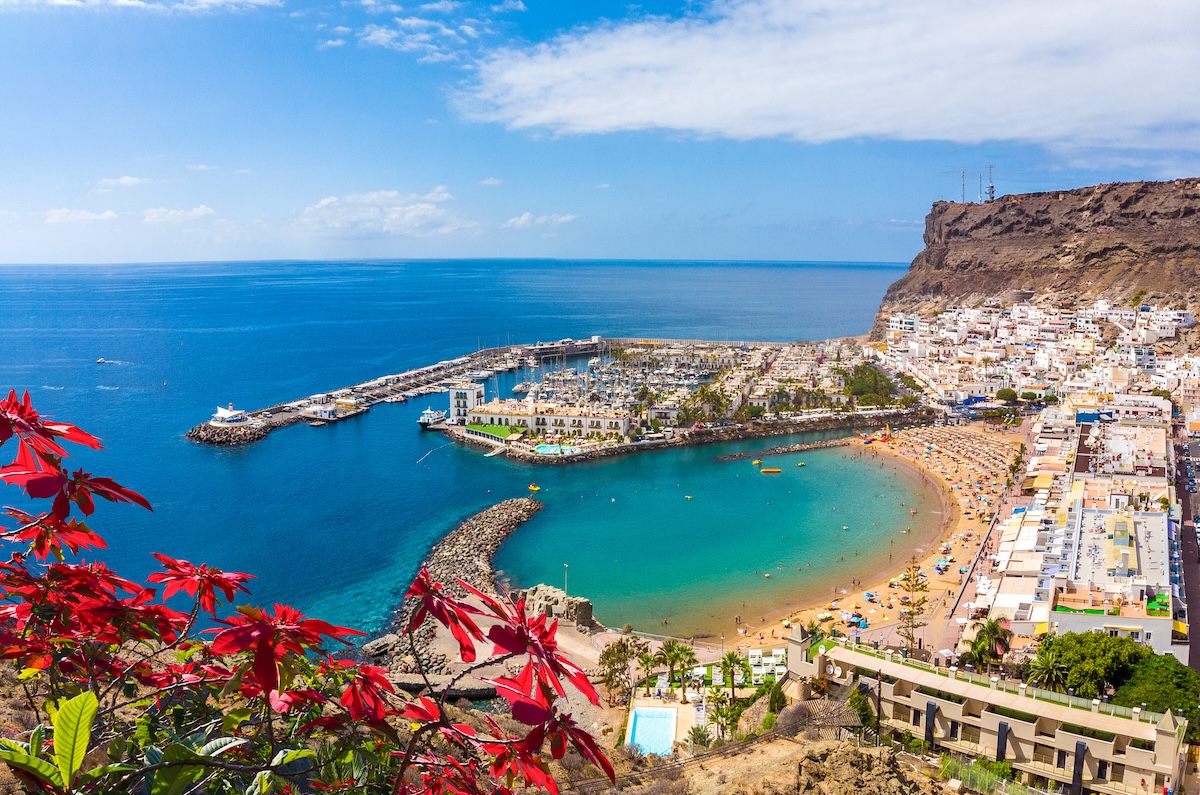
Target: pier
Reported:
[(357, 399)]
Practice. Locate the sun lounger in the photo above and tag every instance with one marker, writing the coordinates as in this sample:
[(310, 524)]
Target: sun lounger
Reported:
[(739, 678), (780, 671), (718, 677), (755, 656)]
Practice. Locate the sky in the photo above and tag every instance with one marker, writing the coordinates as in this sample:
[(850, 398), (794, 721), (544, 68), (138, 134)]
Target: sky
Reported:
[(188, 130)]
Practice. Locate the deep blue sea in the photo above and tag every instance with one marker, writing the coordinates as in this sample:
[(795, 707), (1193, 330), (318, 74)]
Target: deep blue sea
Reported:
[(335, 520)]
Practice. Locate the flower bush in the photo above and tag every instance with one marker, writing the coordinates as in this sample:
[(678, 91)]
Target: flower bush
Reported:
[(136, 696)]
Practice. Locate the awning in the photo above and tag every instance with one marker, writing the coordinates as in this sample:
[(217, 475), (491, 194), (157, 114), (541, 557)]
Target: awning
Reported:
[(1041, 628)]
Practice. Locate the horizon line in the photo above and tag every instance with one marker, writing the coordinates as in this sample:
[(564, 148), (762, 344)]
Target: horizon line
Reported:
[(379, 260)]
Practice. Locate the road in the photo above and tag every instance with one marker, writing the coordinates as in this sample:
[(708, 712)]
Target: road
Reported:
[(1191, 554)]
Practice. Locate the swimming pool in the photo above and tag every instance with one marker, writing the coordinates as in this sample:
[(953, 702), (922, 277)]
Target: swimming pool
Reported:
[(652, 729), (555, 449)]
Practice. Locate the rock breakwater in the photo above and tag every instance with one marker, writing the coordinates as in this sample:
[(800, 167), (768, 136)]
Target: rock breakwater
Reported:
[(788, 448), (466, 554), (226, 437), (761, 429)]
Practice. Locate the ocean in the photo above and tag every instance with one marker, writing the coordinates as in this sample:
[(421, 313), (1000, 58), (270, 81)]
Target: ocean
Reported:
[(335, 520)]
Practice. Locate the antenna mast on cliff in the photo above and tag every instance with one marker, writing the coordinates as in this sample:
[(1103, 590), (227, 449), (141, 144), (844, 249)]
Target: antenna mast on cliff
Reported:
[(991, 185), (981, 188), (964, 185)]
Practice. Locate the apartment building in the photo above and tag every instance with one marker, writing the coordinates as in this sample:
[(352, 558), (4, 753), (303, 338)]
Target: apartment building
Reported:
[(1056, 741)]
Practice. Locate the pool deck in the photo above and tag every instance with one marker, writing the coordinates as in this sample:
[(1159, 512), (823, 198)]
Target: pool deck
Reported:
[(685, 714)]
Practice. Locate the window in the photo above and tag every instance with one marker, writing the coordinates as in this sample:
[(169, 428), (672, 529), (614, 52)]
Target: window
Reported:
[(953, 730), (1061, 761), (916, 717), (1102, 770)]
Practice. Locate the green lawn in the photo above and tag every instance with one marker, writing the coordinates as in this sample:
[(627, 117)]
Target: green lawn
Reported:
[(499, 431)]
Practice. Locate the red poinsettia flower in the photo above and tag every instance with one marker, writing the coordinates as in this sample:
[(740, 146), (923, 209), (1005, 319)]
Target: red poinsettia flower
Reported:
[(203, 581)]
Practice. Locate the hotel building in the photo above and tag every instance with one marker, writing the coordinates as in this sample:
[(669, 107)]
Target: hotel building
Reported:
[(1055, 741)]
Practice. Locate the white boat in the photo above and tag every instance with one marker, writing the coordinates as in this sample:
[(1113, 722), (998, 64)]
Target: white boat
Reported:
[(430, 417), (521, 388), (594, 361)]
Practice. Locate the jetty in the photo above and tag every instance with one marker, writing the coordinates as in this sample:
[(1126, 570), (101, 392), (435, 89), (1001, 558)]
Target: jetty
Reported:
[(351, 401)]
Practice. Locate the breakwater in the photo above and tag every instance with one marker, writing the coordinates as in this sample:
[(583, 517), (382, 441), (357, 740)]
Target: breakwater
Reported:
[(783, 449), (465, 554), (762, 429)]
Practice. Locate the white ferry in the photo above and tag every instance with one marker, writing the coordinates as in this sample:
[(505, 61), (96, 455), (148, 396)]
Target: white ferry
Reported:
[(430, 417)]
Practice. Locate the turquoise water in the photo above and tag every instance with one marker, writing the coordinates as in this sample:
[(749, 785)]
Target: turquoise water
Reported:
[(642, 551), (652, 729), (335, 520)]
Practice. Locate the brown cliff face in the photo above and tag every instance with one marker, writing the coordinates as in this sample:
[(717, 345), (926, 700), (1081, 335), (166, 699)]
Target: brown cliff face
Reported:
[(1108, 240)]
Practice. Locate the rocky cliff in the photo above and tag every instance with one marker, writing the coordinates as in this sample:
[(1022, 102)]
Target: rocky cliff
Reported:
[(1113, 240)]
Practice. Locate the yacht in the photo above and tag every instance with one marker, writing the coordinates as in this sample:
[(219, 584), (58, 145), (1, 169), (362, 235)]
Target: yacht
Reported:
[(430, 417), (521, 388)]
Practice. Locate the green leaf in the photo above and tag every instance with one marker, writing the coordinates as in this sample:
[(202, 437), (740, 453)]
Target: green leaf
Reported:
[(38, 768), (235, 718), (143, 732), (262, 783), (15, 745), (29, 673), (36, 738), (286, 757), (72, 733), (220, 745), (174, 780)]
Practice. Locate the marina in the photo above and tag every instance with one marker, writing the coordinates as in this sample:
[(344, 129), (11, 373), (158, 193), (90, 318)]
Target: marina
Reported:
[(230, 426)]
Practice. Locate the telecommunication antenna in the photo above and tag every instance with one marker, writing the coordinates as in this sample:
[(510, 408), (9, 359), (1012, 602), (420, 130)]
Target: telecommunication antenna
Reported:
[(991, 184), (964, 185), (981, 188)]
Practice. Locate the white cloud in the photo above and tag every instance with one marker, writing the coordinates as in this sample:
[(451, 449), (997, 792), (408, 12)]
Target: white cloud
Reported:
[(508, 5), (66, 216), (329, 44), (125, 182), (200, 167), (528, 220), (1078, 72), (161, 215), (433, 40), (491, 181), (441, 6), (384, 212)]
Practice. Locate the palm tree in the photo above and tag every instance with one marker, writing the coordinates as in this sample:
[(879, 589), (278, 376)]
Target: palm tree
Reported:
[(686, 659), (668, 655), (730, 664), (992, 641), (700, 737), (647, 663), (1048, 670)]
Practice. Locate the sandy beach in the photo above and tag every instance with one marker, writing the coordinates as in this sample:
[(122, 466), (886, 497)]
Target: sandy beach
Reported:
[(969, 465)]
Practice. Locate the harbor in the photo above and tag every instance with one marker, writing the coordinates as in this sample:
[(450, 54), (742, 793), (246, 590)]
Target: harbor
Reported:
[(230, 427)]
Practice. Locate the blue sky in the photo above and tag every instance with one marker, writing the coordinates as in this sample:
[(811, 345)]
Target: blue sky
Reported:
[(157, 130)]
